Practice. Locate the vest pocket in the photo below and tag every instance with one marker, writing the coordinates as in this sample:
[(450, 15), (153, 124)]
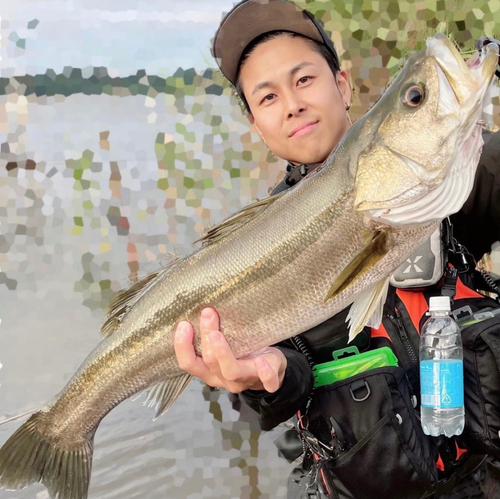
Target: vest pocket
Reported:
[(481, 343), (379, 448)]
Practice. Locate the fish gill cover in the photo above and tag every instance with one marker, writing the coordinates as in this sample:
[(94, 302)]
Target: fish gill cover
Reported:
[(104, 174)]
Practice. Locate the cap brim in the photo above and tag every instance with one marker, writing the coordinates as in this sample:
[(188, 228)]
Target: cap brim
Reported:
[(253, 18)]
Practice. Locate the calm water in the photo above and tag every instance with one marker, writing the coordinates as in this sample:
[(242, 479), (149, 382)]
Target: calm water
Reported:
[(52, 303), (65, 246)]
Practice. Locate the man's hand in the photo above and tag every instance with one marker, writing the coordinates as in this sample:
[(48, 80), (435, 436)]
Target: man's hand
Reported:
[(218, 367)]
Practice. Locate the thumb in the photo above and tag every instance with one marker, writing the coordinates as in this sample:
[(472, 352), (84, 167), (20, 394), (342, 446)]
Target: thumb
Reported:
[(270, 372)]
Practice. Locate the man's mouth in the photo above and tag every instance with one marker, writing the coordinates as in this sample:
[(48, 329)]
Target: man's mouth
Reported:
[(303, 129)]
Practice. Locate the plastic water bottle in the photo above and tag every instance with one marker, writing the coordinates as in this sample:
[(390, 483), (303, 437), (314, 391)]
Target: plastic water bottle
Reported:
[(441, 372)]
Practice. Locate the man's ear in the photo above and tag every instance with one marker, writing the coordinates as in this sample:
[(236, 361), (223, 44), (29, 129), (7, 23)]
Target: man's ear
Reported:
[(254, 127), (344, 85)]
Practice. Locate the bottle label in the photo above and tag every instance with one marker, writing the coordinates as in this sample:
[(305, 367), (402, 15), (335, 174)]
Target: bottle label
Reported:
[(442, 383)]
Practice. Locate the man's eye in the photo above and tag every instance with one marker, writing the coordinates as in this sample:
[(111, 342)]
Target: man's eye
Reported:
[(268, 97), (304, 79)]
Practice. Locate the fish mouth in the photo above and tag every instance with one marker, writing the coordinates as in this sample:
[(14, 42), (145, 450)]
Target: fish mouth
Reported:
[(429, 197), (465, 78)]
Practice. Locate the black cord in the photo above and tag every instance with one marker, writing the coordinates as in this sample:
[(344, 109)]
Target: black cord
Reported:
[(300, 346), (489, 281)]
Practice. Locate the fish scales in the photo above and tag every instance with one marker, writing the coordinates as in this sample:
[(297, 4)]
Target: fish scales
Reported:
[(332, 240), (243, 278)]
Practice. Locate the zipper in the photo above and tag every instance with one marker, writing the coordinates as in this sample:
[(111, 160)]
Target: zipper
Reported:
[(406, 340), (400, 336), (411, 355)]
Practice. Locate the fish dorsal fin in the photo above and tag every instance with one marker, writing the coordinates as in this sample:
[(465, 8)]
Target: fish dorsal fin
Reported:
[(367, 308), (123, 301), (162, 395), (234, 222), (375, 250)]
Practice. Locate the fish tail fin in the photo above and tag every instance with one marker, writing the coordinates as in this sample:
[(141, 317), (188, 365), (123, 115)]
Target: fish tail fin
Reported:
[(29, 456)]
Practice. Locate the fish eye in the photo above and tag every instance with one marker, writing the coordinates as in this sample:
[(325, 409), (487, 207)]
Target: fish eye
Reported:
[(413, 95)]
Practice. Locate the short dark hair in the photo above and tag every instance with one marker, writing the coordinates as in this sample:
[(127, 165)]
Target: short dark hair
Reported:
[(320, 48)]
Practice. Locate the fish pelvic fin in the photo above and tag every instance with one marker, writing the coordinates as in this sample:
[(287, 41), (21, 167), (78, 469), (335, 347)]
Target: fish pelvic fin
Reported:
[(239, 219), (366, 259), (29, 457), (163, 395), (367, 308)]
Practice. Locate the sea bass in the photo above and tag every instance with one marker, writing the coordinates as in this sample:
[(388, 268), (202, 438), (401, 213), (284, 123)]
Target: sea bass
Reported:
[(282, 265)]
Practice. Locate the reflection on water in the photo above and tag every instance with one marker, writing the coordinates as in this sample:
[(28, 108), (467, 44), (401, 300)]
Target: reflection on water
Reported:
[(93, 211), (97, 190), (201, 448)]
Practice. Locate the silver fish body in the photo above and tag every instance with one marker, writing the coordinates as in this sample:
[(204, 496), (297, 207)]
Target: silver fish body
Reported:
[(294, 261)]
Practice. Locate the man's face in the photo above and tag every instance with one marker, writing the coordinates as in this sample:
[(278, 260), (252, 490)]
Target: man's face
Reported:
[(295, 103)]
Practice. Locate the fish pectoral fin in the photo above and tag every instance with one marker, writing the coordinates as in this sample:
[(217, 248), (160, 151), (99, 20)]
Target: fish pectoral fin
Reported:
[(162, 395), (366, 259), (367, 308), (234, 222)]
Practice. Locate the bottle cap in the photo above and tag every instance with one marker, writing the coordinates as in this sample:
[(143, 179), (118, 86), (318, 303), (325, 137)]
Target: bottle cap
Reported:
[(439, 303)]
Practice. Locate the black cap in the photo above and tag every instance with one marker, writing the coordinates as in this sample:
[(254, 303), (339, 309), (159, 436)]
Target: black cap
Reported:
[(252, 18)]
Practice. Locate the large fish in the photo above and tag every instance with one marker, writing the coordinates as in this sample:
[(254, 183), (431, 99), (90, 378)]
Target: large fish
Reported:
[(281, 266)]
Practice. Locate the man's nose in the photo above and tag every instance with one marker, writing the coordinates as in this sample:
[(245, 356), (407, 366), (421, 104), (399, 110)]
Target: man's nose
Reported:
[(295, 105)]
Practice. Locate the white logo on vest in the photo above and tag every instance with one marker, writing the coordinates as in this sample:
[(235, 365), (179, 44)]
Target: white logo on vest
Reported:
[(413, 264)]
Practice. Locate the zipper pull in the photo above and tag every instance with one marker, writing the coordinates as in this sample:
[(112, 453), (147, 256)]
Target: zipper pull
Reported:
[(402, 330)]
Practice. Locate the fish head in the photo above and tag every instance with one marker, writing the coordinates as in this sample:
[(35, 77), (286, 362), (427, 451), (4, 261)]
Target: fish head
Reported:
[(426, 137)]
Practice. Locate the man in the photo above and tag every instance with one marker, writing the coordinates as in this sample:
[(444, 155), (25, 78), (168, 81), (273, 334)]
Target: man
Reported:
[(299, 108), (288, 75)]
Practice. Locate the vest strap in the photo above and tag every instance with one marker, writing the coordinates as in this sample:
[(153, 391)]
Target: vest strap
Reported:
[(449, 287)]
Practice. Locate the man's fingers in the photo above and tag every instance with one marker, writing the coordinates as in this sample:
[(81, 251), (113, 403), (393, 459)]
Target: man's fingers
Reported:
[(209, 321), (230, 368), (183, 346), (218, 366), (188, 359), (185, 352), (267, 374)]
